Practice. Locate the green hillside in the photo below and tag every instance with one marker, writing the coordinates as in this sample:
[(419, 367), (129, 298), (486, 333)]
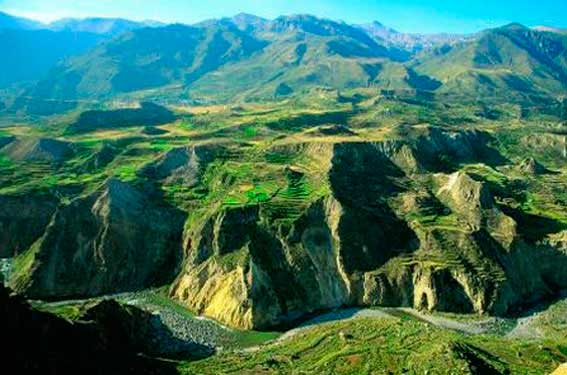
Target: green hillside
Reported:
[(513, 59), (247, 58), (305, 52), (144, 59), (387, 347)]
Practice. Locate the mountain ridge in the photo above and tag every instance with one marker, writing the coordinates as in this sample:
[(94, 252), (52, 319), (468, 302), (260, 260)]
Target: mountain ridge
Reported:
[(98, 25), (248, 58)]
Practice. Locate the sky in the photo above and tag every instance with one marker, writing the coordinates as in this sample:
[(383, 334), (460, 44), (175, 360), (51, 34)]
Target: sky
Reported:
[(432, 16)]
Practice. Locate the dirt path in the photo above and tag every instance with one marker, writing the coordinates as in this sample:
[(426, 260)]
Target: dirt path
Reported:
[(473, 327), (528, 327), (335, 316)]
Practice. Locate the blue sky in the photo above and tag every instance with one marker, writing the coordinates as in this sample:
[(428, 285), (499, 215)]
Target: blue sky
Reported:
[(404, 15)]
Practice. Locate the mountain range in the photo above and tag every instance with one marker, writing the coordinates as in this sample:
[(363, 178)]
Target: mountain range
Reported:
[(295, 195), (248, 58)]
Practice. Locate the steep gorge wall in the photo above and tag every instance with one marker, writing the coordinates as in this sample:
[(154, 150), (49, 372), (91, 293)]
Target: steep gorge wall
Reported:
[(113, 240), (395, 227), (360, 246)]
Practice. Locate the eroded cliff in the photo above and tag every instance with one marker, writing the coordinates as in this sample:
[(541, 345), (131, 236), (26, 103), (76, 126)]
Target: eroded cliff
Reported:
[(115, 239), (389, 231), (274, 234)]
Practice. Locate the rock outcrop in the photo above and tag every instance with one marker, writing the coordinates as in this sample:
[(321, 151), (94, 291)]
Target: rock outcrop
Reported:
[(532, 167), (441, 150), (101, 158), (386, 234), (183, 165), (246, 273), (116, 239)]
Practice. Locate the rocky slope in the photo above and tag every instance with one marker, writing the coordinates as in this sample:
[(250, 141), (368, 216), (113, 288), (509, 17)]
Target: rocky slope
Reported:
[(396, 222), (116, 239), (388, 233), (44, 150)]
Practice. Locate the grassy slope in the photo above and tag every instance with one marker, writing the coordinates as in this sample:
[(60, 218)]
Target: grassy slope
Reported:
[(373, 346), (514, 60), (251, 173)]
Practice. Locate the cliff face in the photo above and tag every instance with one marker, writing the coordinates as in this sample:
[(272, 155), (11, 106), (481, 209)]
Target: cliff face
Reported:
[(389, 232), (114, 240), (395, 223), (245, 272)]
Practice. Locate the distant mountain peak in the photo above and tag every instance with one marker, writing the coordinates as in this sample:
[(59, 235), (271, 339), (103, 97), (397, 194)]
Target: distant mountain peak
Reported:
[(299, 17), (246, 21), (514, 26), (99, 25), (406, 41), (8, 21), (377, 27), (248, 17), (310, 24)]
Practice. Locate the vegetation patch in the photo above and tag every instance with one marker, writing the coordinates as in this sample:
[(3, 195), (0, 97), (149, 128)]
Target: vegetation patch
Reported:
[(389, 346)]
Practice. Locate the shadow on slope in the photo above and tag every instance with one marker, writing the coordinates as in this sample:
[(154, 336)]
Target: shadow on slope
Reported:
[(149, 114), (40, 342)]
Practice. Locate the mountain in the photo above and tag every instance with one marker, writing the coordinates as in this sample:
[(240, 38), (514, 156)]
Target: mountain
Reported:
[(512, 59), (147, 58), (105, 26), (30, 49), (151, 250), (244, 21), (29, 54), (249, 22), (221, 57), (8, 21), (304, 52), (251, 58), (410, 42)]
